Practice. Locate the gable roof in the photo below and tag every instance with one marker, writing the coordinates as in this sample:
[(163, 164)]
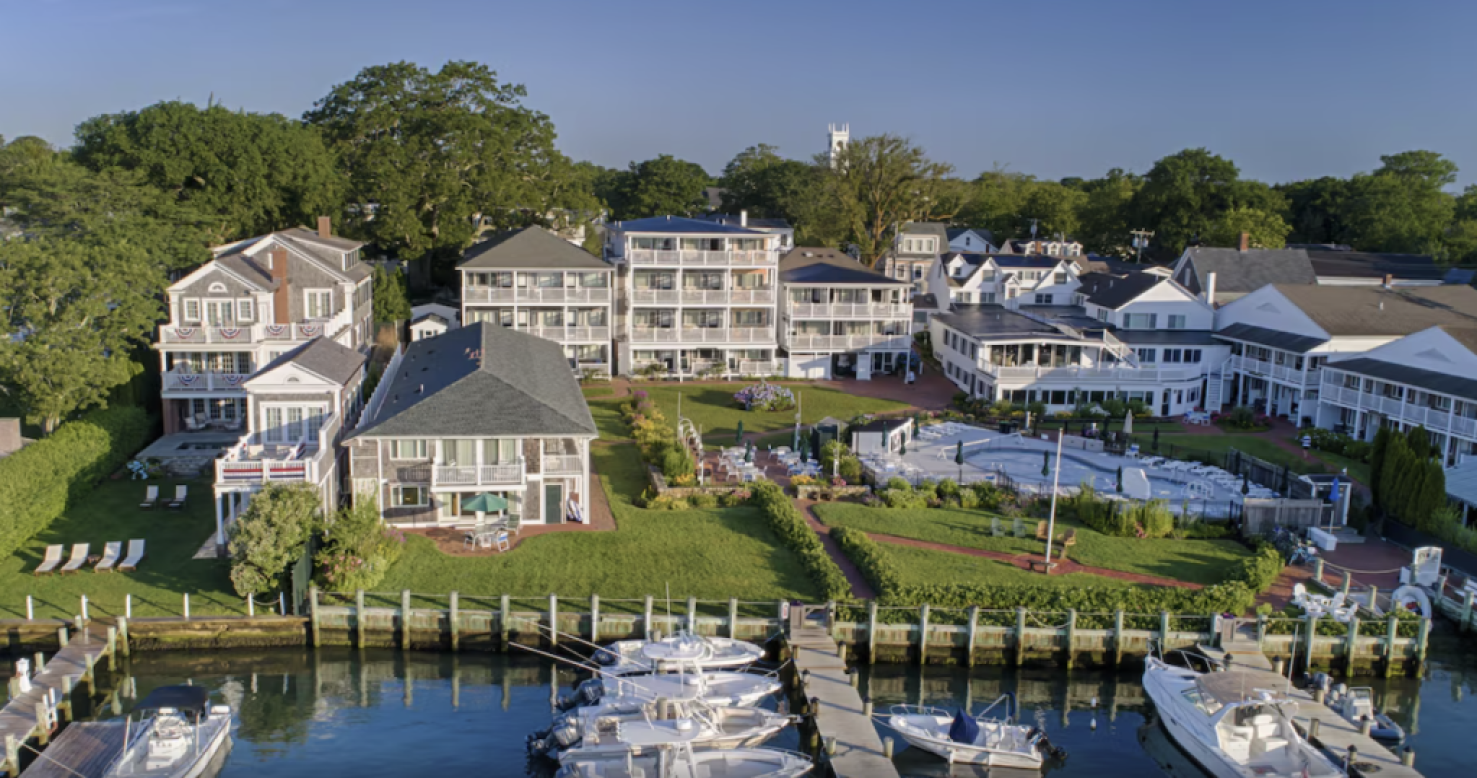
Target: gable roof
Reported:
[(935, 229), (324, 357), (1277, 339), (530, 247), (955, 232), (806, 265), (1241, 272), (327, 253), (482, 381), (1377, 311), (682, 225), (1430, 380), (1372, 265), (1114, 291)]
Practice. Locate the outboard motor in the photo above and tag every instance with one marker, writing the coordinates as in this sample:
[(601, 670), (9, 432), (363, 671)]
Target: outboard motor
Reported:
[(587, 693), (606, 657), (565, 734), (1055, 753)]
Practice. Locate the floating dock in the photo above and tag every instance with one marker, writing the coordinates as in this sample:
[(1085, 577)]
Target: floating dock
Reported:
[(29, 716), (83, 750), (855, 750)]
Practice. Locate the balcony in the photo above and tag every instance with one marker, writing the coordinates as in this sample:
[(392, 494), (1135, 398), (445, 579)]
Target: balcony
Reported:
[(535, 294), (254, 460), (701, 258), (850, 311), (1116, 374), (655, 296), (477, 475), (248, 334), (1285, 373), (1433, 419), (569, 334), (563, 464), (199, 383), (702, 335), (878, 341)]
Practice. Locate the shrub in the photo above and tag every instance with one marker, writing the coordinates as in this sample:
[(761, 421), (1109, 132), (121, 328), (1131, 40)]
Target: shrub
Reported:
[(803, 480), (765, 396), (667, 502), (1242, 417), (898, 483), (787, 524), (270, 536), (37, 482), (948, 489), (358, 550), (969, 500), (735, 498), (704, 500), (676, 463)]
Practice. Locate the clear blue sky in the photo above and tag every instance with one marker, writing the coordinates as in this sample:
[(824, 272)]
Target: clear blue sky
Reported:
[(1288, 90)]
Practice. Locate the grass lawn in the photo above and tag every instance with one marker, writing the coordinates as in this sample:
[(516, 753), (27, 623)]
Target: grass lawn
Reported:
[(708, 554), (711, 407), (1196, 561), (110, 513), (607, 415), (1359, 471), (597, 390), (920, 567)]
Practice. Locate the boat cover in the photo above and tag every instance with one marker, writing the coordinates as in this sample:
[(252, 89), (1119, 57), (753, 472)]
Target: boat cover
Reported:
[(192, 699), (964, 729)]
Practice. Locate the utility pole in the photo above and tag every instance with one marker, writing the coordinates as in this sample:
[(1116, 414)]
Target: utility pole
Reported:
[(1140, 240)]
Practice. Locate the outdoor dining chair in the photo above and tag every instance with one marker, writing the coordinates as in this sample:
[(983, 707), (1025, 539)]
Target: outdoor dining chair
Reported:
[(500, 540)]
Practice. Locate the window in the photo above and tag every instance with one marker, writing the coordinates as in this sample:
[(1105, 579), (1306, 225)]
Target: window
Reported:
[(1060, 277), (1146, 355), (1192, 356), (218, 313), (405, 448), (987, 297), (410, 497), (192, 310), (273, 417), (500, 451), (1176, 321), (1140, 321), (319, 303), (1173, 355), (1043, 299), (243, 311), (1102, 314)]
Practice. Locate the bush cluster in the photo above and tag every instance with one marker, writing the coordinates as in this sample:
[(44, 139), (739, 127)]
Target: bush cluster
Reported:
[(656, 439), (765, 396), (1408, 482), (358, 549), (785, 521), (37, 482), (1335, 443), (898, 493), (1151, 519)]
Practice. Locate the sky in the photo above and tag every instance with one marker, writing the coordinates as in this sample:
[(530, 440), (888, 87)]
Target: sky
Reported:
[(1287, 90)]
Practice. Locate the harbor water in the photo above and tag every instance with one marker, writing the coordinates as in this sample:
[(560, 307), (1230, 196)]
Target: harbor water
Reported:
[(306, 714)]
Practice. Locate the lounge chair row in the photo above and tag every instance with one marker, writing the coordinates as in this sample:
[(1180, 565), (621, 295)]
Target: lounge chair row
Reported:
[(151, 497), (52, 561)]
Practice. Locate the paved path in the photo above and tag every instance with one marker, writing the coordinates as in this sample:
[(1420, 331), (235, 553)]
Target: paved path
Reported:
[(860, 588)]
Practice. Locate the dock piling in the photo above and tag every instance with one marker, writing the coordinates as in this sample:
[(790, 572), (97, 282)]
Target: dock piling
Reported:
[(504, 610), (553, 619), (453, 622), (1118, 638), (1020, 636), (313, 612), (359, 618), (1392, 629), (405, 616), (974, 627), (923, 634), (871, 632), (646, 624), (123, 635), (692, 615), (30, 609), (1407, 757), (1071, 636), (595, 618), (887, 747), (733, 617)]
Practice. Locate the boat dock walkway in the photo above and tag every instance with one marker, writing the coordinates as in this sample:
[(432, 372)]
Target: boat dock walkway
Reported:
[(839, 715), (1335, 733), (30, 715), (83, 750)]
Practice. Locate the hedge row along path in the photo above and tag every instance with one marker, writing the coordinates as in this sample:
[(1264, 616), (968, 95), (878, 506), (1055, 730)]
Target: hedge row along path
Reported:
[(860, 589)]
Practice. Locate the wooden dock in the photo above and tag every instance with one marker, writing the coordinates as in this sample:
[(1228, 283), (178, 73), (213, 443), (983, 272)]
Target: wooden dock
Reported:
[(839, 713), (83, 750), (27, 716)]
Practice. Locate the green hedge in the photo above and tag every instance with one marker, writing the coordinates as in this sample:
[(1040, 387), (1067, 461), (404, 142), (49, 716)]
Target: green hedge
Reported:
[(786, 522), (1236, 595), (37, 481)]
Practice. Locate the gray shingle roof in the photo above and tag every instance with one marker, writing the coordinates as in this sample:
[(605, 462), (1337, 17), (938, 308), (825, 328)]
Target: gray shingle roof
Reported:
[(325, 357), (530, 247), (1277, 339), (1377, 311), (681, 225), (482, 381), (1368, 264), (1430, 380), (805, 265), (1113, 292), (935, 229), (1247, 271)]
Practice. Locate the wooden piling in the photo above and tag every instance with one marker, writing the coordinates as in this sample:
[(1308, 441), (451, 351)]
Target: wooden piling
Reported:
[(923, 634), (504, 611), (646, 617), (1351, 643), (1118, 638), (974, 628), (123, 635), (553, 619), (405, 616), (1392, 629), (595, 618), (692, 615), (1467, 610), (871, 632), (360, 617), (453, 624), (1071, 636), (313, 613), (733, 617), (1020, 636)]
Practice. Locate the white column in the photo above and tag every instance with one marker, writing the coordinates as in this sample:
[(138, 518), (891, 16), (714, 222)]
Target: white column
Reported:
[(220, 528)]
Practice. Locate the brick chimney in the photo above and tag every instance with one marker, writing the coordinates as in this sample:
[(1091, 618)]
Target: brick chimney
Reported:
[(325, 227), (1245, 241), (277, 259)]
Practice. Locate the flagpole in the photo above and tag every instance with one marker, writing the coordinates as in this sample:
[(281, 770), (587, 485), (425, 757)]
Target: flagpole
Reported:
[(1051, 518)]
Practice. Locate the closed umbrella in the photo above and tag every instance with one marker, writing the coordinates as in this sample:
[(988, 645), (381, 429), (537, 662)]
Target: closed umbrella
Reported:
[(1128, 422), (959, 459), (738, 434), (749, 453)]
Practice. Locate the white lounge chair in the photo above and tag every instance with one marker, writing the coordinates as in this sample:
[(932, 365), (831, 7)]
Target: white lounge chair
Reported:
[(78, 558), (135, 555), (180, 493), (50, 561), (151, 497), (111, 552)]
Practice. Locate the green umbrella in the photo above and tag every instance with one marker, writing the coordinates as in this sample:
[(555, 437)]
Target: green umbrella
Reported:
[(1045, 463), (1156, 440), (959, 458), (804, 448), (1120, 479), (1245, 483), (749, 453), (903, 449), (485, 503), (738, 434)]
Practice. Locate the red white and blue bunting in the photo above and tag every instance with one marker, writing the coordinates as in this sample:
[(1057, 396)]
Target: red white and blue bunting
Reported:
[(230, 333), (310, 330), (276, 330), (185, 332)]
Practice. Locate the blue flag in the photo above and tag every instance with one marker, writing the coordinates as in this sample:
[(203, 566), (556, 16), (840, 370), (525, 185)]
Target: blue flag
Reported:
[(1334, 494)]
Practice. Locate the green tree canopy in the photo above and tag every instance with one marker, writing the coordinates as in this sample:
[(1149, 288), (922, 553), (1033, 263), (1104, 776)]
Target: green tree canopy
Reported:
[(760, 181), (665, 186), (271, 535), (1402, 206), (391, 299), (1266, 229), (881, 182), (1104, 215), (1183, 195)]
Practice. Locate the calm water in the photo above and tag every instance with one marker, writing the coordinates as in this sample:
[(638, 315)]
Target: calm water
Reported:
[(339, 712)]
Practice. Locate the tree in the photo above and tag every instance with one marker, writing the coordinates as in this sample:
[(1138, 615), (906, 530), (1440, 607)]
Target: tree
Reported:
[(1104, 214), (1378, 453), (760, 181), (996, 201), (1402, 206), (1266, 229), (665, 186), (1316, 210), (245, 173), (430, 158), (271, 535), (391, 300), (882, 182), (1182, 195)]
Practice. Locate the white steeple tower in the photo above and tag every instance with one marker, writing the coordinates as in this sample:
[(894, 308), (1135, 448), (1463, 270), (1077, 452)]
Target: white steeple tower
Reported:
[(837, 136)]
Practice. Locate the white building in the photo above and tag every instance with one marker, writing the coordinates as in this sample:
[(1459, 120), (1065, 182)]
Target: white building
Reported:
[(1011, 280), (698, 297), (777, 227), (1425, 379), (971, 240), (916, 248), (1283, 335), (1139, 337), (1051, 247), (431, 319), (840, 319), (837, 138), (535, 282)]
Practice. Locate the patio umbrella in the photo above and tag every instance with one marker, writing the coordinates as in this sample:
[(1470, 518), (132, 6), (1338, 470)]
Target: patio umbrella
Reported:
[(1045, 463), (804, 448), (1156, 440), (959, 459), (749, 453), (484, 503), (1128, 422), (1120, 479), (1245, 484), (902, 450), (738, 434)]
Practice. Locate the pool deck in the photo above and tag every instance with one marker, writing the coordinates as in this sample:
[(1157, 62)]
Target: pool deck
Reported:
[(211, 445)]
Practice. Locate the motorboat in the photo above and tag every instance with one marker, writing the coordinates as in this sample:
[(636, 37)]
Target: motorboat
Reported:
[(1356, 705), (962, 738), (725, 688), (1232, 724), (683, 762), (683, 651), (177, 736), (630, 725)]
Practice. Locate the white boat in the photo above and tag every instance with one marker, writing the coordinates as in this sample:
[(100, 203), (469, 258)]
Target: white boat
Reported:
[(683, 762), (1232, 724), (1357, 704), (683, 651), (739, 689), (178, 735), (632, 725), (965, 739)]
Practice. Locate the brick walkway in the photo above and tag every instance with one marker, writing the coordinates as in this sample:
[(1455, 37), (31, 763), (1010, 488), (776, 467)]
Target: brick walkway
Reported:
[(860, 588), (1373, 562)]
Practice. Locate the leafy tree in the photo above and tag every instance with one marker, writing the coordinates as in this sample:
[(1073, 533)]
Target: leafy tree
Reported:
[(760, 181), (665, 186), (358, 549), (1266, 229), (1182, 195), (430, 158), (1402, 206), (245, 173), (271, 535), (1055, 207), (391, 299), (1378, 453), (880, 183), (1104, 214), (996, 201), (1316, 210)]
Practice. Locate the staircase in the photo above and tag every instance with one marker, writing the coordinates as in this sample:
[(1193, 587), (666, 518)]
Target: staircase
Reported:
[(1215, 388)]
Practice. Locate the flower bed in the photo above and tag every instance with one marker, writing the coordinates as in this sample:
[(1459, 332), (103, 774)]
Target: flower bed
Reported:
[(765, 396)]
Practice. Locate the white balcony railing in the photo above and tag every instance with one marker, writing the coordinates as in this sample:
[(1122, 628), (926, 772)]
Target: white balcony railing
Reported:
[(255, 460), (1134, 374), (569, 334), (655, 296), (704, 258), (246, 334), (877, 341), (477, 475), (702, 335), (178, 381), (850, 311), (760, 367), (535, 294), (1268, 369), (563, 463)]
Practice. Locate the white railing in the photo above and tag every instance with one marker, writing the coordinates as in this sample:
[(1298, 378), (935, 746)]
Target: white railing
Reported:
[(1147, 374), (563, 463), (1288, 373), (655, 296), (759, 367), (702, 335), (750, 296), (377, 398), (847, 342), (536, 294), (178, 381), (850, 311), (251, 461), (476, 475), (569, 334), (751, 335), (196, 333), (706, 258)]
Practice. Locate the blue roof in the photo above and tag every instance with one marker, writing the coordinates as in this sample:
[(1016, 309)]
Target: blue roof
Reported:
[(679, 224)]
